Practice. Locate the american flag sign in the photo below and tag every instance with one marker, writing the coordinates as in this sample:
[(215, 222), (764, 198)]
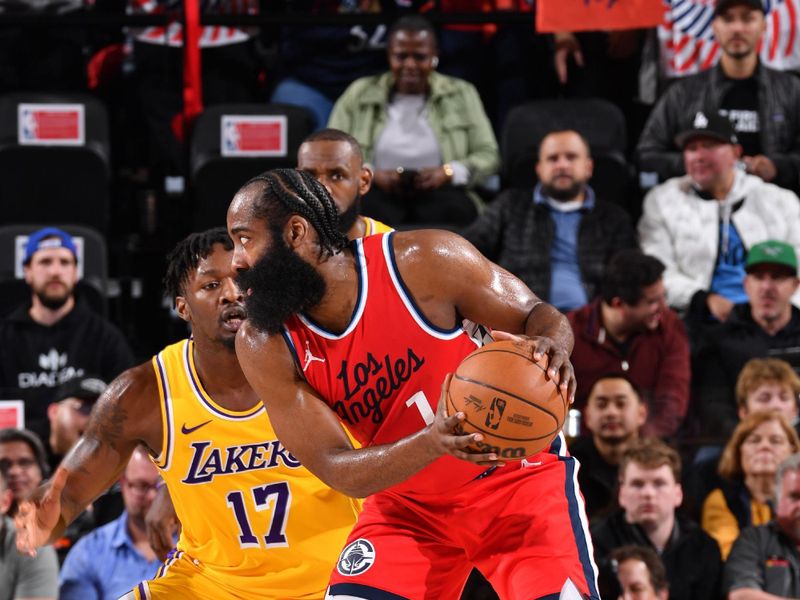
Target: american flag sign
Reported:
[(687, 43)]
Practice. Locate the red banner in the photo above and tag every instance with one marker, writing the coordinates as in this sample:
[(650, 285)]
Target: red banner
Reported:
[(597, 15)]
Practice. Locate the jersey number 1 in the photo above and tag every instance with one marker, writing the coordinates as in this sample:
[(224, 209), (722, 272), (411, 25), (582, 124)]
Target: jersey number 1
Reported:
[(423, 406), (276, 495)]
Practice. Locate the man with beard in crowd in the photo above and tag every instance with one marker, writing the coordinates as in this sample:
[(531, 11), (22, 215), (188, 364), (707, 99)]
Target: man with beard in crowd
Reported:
[(57, 336), (335, 159), (255, 523), (558, 238), (364, 335)]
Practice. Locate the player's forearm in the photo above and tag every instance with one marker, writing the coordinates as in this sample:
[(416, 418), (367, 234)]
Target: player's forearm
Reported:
[(364, 471), (544, 320)]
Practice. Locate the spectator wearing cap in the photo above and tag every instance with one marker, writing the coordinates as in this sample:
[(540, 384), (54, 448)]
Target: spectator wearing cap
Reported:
[(765, 325), (69, 411), (56, 337), (702, 225), (763, 104)]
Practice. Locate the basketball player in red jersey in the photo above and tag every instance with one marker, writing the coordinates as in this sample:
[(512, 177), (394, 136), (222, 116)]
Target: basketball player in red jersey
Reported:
[(364, 334)]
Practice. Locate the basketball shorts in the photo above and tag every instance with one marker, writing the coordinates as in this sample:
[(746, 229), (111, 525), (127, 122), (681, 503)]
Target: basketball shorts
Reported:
[(523, 526), (180, 578)]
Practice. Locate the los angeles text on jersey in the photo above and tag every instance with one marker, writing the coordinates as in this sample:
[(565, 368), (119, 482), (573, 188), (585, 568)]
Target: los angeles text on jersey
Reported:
[(369, 382), (208, 462)]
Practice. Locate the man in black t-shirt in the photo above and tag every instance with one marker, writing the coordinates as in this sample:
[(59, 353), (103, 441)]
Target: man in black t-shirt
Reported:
[(763, 104), (614, 414), (56, 337)]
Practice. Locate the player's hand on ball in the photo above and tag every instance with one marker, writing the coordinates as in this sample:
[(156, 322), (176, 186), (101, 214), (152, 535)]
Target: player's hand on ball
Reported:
[(39, 514), (559, 367), (446, 439)]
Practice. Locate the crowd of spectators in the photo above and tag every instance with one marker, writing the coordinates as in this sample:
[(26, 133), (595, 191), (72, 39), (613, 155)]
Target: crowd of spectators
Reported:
[(684, 308)]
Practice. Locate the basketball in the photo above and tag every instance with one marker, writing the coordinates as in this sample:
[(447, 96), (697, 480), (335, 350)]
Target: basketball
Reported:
[(508, 398)]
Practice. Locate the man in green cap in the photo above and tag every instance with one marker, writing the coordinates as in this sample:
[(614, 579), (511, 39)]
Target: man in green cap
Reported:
[(768, 325)]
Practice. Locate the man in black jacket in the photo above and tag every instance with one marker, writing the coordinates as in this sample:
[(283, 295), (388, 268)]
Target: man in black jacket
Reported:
[(56, 337), (767, 325), (559, 238), (613, 415), (763, 104), (649, 494)]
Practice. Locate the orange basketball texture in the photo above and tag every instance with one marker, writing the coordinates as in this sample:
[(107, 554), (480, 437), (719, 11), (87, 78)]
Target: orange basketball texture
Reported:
[(508, 398)]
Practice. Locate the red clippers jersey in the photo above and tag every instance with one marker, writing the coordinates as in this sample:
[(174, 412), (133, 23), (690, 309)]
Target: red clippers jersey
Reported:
[(383, 375)]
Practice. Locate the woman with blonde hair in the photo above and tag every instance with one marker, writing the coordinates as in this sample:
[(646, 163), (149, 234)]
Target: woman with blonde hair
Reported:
[(748, 465)]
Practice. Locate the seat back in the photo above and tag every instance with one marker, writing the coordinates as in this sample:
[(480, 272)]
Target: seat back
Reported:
[(53, 184), (219, 159), (599, 121)]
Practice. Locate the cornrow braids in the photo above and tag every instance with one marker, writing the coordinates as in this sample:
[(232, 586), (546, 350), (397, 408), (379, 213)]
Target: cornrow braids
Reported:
[(185, 257), (299, 192)]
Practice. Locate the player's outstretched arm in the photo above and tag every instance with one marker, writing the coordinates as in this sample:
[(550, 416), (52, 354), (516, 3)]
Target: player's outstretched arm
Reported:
[(450, 280), (126, 415), (311, 431)]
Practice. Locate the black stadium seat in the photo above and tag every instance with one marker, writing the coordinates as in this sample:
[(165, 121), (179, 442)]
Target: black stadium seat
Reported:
[(600, 122), (215, 177), (53, 184)]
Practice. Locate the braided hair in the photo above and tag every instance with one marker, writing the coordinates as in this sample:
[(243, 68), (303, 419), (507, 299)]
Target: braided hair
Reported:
[(289, 191), (185, 257)]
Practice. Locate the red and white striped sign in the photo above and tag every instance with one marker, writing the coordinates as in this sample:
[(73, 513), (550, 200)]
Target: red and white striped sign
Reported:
[(50, 124), (253, 135)]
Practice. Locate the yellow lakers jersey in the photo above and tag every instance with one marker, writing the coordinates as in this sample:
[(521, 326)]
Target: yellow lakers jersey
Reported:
[(255, 521), (373, 226)]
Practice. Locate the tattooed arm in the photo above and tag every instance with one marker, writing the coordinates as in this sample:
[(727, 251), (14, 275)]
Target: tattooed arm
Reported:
[(126, 415)]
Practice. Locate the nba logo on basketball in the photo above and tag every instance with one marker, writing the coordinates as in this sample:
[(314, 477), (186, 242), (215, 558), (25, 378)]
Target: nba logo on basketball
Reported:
[(357, 557), (495, 413)]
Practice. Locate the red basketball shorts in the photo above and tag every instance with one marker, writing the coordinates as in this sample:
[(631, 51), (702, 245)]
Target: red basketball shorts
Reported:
[(523, 526)]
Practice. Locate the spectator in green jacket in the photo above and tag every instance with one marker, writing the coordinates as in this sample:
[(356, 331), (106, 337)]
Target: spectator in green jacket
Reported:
[(426, 135)]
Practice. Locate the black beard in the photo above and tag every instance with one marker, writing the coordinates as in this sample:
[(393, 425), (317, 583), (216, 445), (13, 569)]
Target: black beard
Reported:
[(52, 302), (348, 217), (563, 195), (278, 286)]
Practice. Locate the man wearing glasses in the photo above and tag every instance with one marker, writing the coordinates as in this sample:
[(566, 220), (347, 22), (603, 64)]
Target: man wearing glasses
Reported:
[(23, 463), (108, 562)]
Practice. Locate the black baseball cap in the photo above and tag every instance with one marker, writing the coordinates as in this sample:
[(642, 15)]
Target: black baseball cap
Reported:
[(722, 5), (86, 389), (711, 125)]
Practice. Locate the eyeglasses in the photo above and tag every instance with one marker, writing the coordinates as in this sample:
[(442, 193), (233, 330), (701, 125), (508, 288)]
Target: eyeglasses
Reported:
[(22, 463), (142, 487)]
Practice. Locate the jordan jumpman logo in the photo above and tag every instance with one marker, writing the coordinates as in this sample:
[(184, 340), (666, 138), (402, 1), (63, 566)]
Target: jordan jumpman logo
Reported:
[(310, 357)]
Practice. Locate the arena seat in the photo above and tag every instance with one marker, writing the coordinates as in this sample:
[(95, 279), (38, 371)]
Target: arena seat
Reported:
[(215, 177), (601, 122), (93, 266), (53, 184)]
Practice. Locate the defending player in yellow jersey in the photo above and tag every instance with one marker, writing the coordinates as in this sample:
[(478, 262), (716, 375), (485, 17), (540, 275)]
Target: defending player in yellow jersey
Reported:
[(335, 159), (255, 523)]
